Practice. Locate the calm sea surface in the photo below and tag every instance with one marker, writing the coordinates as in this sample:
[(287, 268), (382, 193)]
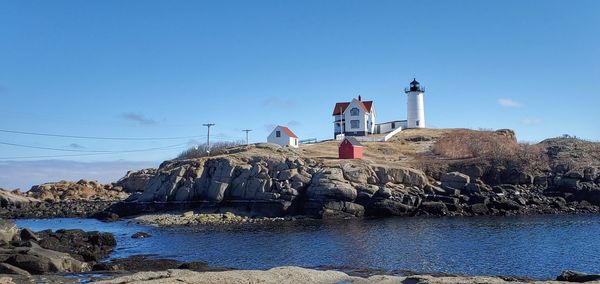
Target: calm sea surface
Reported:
[(537, 247)]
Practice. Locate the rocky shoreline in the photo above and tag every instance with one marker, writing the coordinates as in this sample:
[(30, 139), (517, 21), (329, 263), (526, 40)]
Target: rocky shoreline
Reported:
[(266, 181)]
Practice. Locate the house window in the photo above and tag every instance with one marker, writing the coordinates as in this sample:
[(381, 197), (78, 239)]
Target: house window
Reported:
[(296, 142), (354, 112), (354, 123), (277, 133)]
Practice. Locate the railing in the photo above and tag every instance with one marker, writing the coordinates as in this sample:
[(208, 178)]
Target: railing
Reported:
[(308, 141), (419, 89)]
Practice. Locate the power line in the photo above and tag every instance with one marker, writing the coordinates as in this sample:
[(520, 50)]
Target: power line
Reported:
[(98, 137), (93, 151), (68, 155)]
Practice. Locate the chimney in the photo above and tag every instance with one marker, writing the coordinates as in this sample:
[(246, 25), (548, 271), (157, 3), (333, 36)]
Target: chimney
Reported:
[(359, 98)]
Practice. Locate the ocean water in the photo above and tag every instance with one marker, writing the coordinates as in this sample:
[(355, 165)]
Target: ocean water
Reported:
[(528, 246)]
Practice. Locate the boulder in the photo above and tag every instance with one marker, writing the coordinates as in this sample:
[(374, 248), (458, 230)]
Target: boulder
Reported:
[(37, 260), (387, 207), (434, 208), (331, 185), (455, 180), (136, 181), (140, 235), (342, 209), (8, 231), (573, 276), (6, 268), (28, 235), (401, 175)]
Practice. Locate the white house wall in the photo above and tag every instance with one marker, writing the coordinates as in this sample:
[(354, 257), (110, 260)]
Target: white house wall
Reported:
[(283, 140)]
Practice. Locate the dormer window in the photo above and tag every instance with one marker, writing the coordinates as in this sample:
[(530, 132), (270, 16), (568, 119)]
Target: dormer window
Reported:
[(354, 112)]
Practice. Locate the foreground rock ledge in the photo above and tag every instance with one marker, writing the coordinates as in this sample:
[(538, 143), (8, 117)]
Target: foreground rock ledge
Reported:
[(293, 275)]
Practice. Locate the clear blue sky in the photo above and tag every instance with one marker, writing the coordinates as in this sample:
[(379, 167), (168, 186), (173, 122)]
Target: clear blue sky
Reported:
[(162, 68)]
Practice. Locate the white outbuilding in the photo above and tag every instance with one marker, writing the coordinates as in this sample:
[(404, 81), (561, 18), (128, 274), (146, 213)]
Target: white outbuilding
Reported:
[(283, 136)]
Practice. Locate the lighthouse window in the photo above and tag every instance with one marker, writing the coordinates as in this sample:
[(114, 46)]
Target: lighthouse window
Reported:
[(354, 123), (418, 123), (354, 112)]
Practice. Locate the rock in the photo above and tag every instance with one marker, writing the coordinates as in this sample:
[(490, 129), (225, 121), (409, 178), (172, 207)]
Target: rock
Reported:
[(136, 181), (506, 204), (589, 174), (388, 207), (573, 276), (187, 214), (37, 260), (82, 189), (216, 191), (401, 175), (28, 235), (10, 199), (84, 246), (140, 235), (8, 231), (195, 265), (455, 180), (340, 209), (6, 268), (384, 192), (330, 185), (434, 208), (479, 209)]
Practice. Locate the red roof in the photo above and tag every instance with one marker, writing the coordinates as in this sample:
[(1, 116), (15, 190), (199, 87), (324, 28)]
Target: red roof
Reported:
[(341, 107), (288, 131)]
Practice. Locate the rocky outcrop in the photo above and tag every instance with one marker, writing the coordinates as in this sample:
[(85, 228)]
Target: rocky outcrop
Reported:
[(278, 184), (50, 209), (24, 252), (15, 200), (135, 181), (83, 189)]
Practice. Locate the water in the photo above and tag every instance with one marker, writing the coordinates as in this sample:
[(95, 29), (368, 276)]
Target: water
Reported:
[(531, 246)]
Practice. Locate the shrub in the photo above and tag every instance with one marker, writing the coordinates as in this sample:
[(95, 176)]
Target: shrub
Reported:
[(201, 150)]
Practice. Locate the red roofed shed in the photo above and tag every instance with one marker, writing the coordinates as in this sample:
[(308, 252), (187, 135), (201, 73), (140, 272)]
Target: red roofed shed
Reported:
[(350, 148)]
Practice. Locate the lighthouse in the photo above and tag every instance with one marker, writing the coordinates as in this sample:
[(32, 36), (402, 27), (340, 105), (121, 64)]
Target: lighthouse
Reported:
[(415, 106)]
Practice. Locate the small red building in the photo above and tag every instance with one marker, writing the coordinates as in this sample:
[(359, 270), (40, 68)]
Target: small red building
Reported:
[(350, 148)]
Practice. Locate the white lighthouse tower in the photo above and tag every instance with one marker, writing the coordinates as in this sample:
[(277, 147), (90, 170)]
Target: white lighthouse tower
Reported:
[(415, 106)]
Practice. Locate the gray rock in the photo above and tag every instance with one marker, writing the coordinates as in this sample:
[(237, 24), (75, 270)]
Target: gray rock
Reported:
[(573, 276), (216, 191), (28, 235), (37, 260), (8, 231), (455, 180), (6, 268)]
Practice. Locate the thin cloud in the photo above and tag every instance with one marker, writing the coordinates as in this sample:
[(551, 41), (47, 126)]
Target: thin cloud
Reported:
[(269, 127), (509, 103), (138, 118), (279, 103), (532, 121), (76, 146), (294, 123)]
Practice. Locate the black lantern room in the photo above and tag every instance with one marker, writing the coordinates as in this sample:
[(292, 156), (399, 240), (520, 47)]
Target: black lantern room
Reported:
[(415, 86)]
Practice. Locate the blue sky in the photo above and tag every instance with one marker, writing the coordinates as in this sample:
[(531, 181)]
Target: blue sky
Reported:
[(163, 68)]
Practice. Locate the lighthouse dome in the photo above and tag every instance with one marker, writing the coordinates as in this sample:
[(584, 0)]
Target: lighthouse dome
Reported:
[(415, 86)]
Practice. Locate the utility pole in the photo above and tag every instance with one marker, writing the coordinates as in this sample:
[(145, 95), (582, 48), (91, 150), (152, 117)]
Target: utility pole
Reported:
[(247, 130), (208, 125)]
